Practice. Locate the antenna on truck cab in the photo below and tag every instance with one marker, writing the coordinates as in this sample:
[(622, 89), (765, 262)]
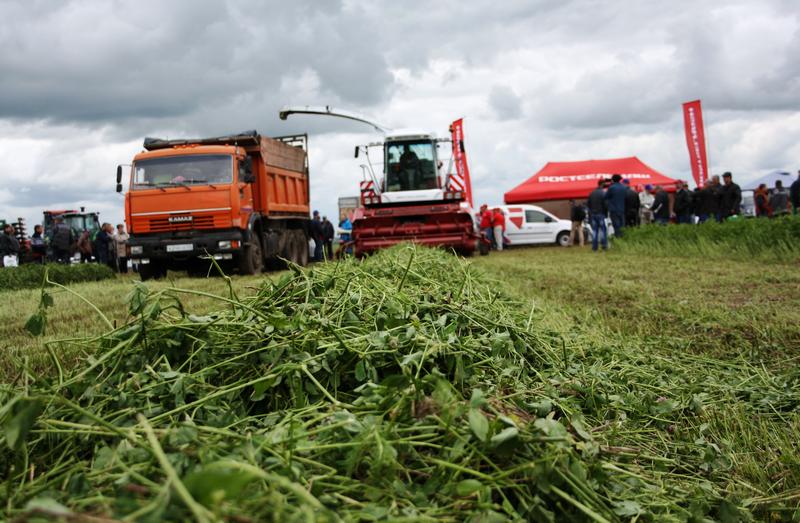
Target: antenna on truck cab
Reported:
[(327, 110)]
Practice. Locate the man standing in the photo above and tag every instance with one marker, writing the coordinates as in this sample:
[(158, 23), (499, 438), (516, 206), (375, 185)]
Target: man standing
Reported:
[(779, 200), (646, 200), (730, 197), (85, 247), (121, 246), (316, 235), (683, 203), (499, 221), (598, 207), (327, 237), (631, 205), (661, 206), (616, 204), (486, 225), (577, 214), (794, 194), (38, 245), (9, 247), (61, 240), (104, 245)]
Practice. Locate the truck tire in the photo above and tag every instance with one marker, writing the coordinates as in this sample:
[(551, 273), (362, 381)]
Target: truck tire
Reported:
[(300, 249), (563, 239), (152, 271), (250, 262)]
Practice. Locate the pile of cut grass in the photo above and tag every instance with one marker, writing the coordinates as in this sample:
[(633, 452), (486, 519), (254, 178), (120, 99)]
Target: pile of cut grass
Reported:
[(31, 275), (758, 238), (401, 387)]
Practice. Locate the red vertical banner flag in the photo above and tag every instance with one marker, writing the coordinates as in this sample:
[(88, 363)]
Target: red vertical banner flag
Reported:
[(461, 180), (696, 141)]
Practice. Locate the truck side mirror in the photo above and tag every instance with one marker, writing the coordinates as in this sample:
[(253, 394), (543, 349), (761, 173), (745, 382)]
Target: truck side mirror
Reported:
[(246, 170), (119, 187), (119, 174), (355, 155)]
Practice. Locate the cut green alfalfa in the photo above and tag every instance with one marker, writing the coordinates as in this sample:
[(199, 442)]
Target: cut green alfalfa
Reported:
[(401, 387)]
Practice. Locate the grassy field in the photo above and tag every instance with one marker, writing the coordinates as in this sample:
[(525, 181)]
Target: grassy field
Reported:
[(683, 329)]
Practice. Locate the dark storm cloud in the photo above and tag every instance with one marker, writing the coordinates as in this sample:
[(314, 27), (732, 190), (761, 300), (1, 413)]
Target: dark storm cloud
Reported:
[(101, 62)]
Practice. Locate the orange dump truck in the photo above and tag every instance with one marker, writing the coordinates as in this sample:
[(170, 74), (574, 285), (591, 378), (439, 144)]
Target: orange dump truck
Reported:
[(242, 200)]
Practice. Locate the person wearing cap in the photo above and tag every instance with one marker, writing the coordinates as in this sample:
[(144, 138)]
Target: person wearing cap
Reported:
[(631, 205), (646, 200), (682, 207), (730, 197), (615, 195)]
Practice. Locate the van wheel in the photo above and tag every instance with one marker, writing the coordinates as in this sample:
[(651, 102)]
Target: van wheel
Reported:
[(250, 263), (563, 239)]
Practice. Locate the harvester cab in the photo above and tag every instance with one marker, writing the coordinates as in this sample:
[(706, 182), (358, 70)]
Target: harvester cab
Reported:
[(410, 194)]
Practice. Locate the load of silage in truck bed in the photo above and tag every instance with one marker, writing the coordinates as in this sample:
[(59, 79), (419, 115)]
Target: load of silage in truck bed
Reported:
[(401, 387)]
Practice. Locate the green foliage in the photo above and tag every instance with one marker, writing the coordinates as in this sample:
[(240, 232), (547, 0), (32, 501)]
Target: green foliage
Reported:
[(31, 275), (757, 238), (396, 388)]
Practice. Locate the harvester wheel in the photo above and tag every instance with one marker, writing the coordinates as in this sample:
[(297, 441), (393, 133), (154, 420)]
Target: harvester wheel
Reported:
[(251, 262)]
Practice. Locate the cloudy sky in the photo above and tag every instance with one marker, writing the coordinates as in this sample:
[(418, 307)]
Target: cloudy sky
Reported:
[(82, 82)]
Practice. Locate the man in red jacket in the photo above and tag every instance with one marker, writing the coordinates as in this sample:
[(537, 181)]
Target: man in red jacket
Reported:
[(499, 221), (486, 223)]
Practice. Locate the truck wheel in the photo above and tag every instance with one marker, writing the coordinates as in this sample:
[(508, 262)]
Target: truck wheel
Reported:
[(563, 239), (301, 249), (250, 262), (151, 271)]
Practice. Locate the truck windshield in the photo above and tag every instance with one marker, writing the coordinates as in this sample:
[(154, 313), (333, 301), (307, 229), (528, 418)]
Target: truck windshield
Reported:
[(410, 166), (183, 170)]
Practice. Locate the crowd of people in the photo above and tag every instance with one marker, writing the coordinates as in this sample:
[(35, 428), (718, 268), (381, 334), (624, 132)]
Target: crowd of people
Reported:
[(614, 199), (109, 246)]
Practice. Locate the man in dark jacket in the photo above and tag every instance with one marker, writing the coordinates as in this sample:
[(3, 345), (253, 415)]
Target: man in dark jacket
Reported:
[(794, 194), (104, 245), (683, 203), (661, 206), (730, 197), (316, 235), (577, 214), (615, 195), (9, 246), (61, 240), (631, 205), (327, 237), (598, 208)]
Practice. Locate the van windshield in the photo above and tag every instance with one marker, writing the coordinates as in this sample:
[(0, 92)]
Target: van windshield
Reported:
[(206, 169)]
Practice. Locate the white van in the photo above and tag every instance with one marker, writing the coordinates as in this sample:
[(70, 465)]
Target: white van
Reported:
[(529, 224)]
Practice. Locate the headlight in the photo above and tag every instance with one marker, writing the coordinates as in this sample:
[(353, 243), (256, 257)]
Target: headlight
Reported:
[(136, 249), (224, 244)]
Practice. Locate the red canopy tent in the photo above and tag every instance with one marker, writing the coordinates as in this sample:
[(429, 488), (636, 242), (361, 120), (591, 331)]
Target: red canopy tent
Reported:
[(573, 180)]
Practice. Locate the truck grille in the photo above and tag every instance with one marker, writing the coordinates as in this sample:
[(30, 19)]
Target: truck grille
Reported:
[(197, 222)]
